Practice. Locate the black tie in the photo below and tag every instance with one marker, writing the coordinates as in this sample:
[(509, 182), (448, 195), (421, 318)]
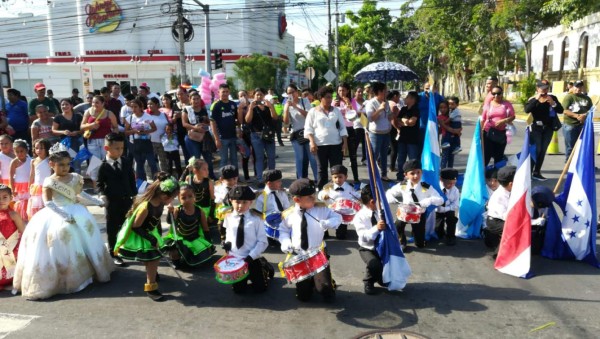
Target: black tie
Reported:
[(239, 241), (304, 231), (373, 223), (340, 189), (444, 190), (116, 165), (413, 195), (277, 201)]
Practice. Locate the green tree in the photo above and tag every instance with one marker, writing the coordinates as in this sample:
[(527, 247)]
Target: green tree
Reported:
[(317, 58), (260, 70), (570, 10)]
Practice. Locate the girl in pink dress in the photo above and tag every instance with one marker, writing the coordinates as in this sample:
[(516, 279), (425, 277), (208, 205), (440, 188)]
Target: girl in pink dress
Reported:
[(20, 169), (40, 170), (11, 228)]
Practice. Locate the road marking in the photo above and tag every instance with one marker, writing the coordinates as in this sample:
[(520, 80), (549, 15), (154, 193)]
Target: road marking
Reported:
[(13, 322)]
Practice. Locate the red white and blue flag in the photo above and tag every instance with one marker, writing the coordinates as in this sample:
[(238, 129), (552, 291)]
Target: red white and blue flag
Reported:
[(514, 254)]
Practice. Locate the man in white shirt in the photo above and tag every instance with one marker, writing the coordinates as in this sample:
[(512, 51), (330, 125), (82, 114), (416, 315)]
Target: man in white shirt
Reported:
[(498, 208)]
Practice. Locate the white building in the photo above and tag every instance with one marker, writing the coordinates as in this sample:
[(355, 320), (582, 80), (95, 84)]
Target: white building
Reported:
[(569, 53), (88, 44)]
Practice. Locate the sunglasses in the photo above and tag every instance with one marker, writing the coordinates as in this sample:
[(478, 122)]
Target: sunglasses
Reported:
[(497, 93)]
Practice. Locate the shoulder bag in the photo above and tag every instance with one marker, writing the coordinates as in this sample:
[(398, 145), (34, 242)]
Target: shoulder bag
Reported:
[(268, 133), (192, 134)]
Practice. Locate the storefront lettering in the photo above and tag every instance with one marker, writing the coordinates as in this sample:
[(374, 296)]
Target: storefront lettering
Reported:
[(62, 53), (16, 55), (155, 51), (222, 50), (116, 76), (103, 16), (106, 52)]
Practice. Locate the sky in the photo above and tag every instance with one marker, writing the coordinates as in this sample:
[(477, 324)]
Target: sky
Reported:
[(307, 19)]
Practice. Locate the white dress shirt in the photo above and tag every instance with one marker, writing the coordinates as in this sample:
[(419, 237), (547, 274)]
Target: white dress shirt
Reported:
[(323, 126), (427, 196), (453, 198), (498, 203), (221, 191), (332, 191), (290, 228), (255, 238), (271, 206), (366, 231)]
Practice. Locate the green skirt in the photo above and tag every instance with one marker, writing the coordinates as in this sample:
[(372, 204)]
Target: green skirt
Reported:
[(193, 252), (138, 248)]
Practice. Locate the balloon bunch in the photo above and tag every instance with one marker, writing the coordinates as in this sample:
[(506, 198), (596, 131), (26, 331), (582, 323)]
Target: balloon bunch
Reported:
[(210, 88)]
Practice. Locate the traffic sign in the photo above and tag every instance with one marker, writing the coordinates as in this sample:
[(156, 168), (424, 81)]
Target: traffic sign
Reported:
[(329, 76), (309, 73)]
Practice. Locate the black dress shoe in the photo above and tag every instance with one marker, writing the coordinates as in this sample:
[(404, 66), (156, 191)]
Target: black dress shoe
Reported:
[(370, 288), (119, 262), (155, 295)]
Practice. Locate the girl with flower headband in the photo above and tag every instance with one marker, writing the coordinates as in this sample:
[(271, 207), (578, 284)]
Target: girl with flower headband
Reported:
[(140, 238), (20, 169), (61, 250)]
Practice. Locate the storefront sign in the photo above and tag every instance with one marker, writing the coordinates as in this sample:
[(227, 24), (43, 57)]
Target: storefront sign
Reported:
[(222, 50), (281, 25), (106, 52), (155, 51), (62, 53), (16, 55), (116, 76), (103, 16)]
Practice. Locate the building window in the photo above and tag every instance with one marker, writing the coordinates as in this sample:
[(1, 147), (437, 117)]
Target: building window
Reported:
[(548, 60), (564, 62), (583, 50)]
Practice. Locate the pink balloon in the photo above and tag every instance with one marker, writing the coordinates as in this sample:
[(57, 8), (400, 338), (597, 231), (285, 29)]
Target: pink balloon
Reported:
[(214, 87), (206, 81), (219, 76)]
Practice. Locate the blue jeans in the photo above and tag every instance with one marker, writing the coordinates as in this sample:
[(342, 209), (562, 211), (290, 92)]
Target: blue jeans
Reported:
[(381, 145), (571, 134), (228, 152), (406, 150), (142, 152), (303, 158), (195, 149), (260, 146), (96, 147)]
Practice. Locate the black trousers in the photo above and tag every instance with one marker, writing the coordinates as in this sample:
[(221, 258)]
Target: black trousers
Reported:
[(115, 212), (540, 137), (322, 282), (327, 157), (492, 234), (360, 140), (374, 269), (352, 148), (449, 220), (257, 275), (174, 159), (418, 231), (394, 149), (492, 149)]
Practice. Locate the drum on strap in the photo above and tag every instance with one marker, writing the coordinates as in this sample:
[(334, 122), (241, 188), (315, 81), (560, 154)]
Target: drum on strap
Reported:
[(230, 270), (272, 222), (409, 213), (347, 208), (305, 266), (351, 115)]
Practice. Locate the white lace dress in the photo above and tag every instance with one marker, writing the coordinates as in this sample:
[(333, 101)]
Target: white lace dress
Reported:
[(56, 257)]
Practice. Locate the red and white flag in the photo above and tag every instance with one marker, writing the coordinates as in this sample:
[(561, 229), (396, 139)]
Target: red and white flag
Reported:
[(514, 254)]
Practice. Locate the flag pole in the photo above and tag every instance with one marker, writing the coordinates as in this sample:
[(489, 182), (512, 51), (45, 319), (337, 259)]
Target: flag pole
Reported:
[(372, 163)]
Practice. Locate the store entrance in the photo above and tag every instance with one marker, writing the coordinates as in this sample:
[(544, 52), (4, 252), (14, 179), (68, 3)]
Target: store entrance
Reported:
[(125, 86)]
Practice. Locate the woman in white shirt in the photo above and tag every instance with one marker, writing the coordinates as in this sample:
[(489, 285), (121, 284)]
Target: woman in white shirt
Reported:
[(294, 113), (160, 121), (325, 129), (138, 127)]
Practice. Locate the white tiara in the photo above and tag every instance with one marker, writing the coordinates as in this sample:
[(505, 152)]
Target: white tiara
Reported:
[(58, 147)]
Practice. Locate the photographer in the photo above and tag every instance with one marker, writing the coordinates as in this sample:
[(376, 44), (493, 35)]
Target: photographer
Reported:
[(262, 119)]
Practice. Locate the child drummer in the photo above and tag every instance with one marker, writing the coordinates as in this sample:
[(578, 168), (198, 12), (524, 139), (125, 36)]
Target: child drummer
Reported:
[(229, 178), (273, 199), (368, 227), (245, 238), (338, 188), (445, 216), (413, 191), (302, 230)]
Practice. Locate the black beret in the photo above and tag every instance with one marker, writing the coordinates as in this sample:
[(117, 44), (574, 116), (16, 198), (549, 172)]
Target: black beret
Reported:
[(339, 169), (240, 192), (410, 165), (302, 187), (542, 196), (449, 174), (272, 175), (507, 174), (229, 171)]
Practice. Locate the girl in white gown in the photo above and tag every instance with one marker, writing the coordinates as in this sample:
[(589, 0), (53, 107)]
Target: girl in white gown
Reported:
[(61, 250)]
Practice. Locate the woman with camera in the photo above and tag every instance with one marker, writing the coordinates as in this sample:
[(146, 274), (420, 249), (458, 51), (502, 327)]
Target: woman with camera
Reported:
[(262, 119), (294, 113)]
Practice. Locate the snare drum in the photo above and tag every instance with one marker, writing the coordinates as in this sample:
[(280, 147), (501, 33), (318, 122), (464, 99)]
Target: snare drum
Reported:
[(304, 266), (347, 208), (272, 222), (409, 213), (351, 115), (230, 270)]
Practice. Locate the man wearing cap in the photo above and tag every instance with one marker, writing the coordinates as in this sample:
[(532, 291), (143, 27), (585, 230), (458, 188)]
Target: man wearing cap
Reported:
[(576, 107), (145, 91), (54, 100), (498, 208), (75, 99), (544, 108), (41, 99)]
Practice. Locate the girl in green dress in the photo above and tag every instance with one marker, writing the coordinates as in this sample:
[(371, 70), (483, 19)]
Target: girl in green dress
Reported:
[(204, 189), (139, 239), (187, 241)]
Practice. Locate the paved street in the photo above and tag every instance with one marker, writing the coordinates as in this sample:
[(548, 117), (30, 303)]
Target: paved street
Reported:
[(454, 292)]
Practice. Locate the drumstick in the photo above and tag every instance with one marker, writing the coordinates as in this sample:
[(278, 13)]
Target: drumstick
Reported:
[(170, 263)]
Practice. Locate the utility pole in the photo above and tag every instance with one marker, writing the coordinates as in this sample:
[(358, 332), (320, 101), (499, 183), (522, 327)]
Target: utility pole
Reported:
[(207, 52), (337, 44), (182, 67), (329, 35)]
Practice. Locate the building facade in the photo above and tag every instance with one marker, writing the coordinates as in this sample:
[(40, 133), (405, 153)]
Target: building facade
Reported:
[(568, 53), (88, 44)]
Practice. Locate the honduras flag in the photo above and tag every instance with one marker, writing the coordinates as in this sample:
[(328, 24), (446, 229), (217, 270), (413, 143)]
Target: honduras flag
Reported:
[(514, 253), (474, 191), (430, 160), (578, 200), (395, 266)]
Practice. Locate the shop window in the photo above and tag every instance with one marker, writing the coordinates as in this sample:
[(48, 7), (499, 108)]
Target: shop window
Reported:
[(564, 62)]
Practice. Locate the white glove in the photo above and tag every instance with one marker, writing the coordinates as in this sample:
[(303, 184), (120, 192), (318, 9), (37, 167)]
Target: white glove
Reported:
[(54, 207), (324, 224), (538, 222), (92, 199), (286, 247)]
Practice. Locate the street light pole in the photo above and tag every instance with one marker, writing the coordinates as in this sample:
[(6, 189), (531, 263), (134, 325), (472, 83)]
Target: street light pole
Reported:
[(182, 70), (337, 44), (207, 53)]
